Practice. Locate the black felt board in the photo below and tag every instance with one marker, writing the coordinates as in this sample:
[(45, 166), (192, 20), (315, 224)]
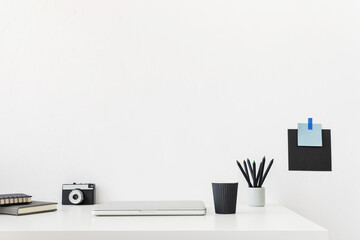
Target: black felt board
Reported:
[(309, 158)]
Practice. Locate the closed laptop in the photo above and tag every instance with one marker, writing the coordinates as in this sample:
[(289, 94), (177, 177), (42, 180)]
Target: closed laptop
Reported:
[(150, 208)]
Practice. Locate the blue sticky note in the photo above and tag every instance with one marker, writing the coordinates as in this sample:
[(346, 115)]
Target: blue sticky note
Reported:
[(309, 137)]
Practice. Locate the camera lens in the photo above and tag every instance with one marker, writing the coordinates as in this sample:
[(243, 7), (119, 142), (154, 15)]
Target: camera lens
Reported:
[(76, 196)]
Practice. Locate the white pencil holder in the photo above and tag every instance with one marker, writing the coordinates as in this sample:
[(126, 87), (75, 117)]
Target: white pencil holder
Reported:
[(256, 197)]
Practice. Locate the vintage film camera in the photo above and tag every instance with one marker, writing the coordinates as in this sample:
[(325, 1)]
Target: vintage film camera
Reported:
[(78, 194)]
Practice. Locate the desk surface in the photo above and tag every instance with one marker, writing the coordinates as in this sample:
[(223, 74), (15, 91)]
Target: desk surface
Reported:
[(272, 222)]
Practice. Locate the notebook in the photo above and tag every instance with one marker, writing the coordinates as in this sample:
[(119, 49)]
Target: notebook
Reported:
[(14, 198), (28, 208)]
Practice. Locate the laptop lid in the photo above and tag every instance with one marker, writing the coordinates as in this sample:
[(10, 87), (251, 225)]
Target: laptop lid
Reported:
[(150, 208)]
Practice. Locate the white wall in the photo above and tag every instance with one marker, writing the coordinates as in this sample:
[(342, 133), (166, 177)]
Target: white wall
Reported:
[(155, 99)]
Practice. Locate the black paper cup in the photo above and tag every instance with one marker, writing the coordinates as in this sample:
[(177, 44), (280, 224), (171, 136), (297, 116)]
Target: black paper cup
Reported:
[(225, 195)]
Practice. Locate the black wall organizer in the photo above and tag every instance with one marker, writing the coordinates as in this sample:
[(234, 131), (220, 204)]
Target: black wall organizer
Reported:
[(309, 158)]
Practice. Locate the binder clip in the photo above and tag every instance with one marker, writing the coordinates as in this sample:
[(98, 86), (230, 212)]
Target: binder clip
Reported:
[(310, 124)]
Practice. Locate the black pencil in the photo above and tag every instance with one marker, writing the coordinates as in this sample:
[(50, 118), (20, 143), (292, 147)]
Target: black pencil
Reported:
[(254, 175), (247, 173), (258, 177), (267, 171), (242, 170), (262, 172), (251, 170)]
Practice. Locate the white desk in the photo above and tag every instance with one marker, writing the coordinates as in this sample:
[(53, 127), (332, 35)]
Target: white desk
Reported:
[(76, 222)]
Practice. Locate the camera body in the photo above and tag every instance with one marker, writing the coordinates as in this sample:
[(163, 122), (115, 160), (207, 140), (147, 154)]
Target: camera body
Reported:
[(78, 194)]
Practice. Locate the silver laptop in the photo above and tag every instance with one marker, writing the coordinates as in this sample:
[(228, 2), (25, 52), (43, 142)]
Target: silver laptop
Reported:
[(150, 208)]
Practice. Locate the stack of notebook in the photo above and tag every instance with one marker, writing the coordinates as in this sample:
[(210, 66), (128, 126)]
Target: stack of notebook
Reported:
[(21, 204)]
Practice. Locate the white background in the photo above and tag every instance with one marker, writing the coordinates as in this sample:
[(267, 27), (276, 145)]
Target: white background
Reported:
[(156, 99)]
